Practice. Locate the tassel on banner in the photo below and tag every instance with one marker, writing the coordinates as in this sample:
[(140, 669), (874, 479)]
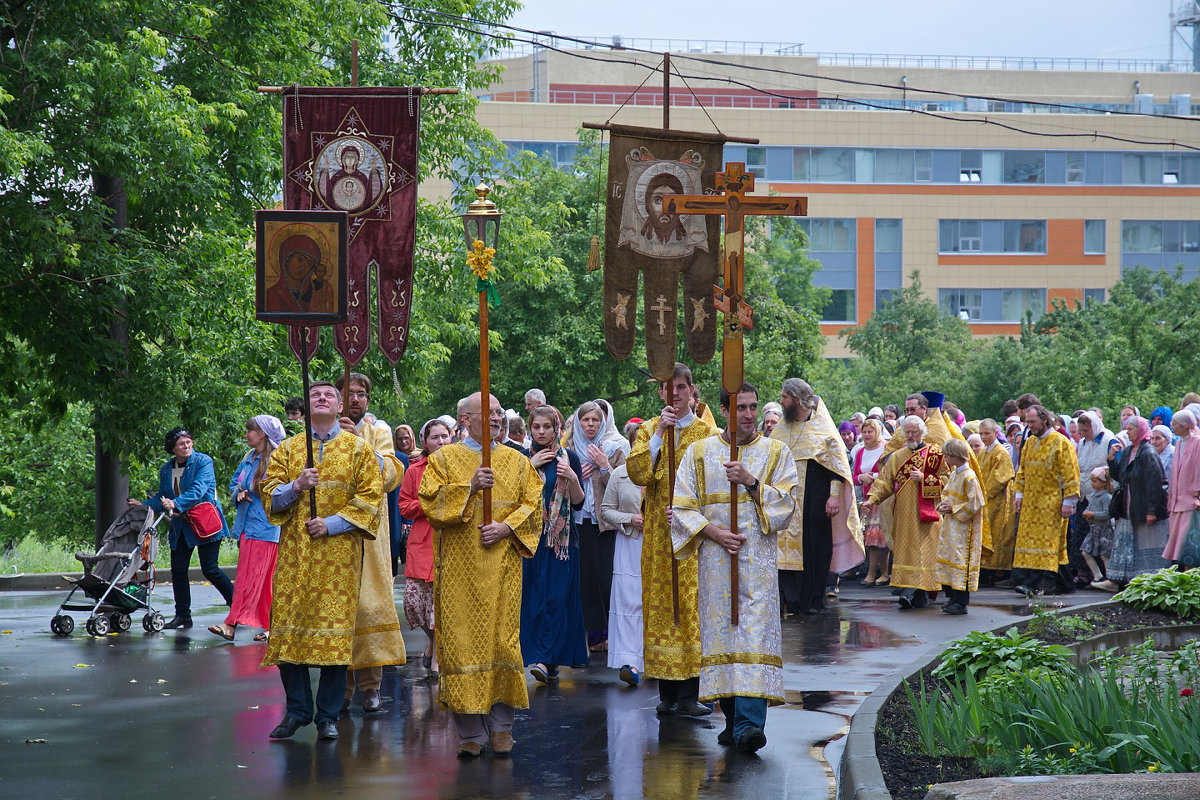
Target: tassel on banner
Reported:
[(593, 262)]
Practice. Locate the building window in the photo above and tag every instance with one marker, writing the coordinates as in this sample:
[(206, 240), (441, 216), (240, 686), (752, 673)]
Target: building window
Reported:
[(1091, 296), (840, 307), (884, 296), (1076, 168), (756, 162), (970, 166), (832, 164), (1094, 236), (893, 166), (887, 236), (922, 166), (1171, 170), (1139, 168), (829, 235), (991, 236), (1141, 236), (966, 304), (992, 305), (1024, 166)]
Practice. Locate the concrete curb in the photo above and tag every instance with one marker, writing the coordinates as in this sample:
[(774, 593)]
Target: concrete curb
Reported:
[(861, 777), (51, 581)]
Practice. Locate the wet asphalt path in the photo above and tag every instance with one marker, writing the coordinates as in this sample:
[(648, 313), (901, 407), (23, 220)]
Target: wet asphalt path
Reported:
[(187, 714)]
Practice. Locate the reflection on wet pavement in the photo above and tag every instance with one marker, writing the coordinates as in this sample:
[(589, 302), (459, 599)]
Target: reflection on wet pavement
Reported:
[(190, 710)]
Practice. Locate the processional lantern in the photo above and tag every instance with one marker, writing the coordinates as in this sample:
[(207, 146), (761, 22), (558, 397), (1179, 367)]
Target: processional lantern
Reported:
[(481, 228)]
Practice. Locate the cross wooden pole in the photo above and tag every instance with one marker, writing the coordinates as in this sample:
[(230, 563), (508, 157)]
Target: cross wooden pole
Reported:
[(485, 402), (312, 493), (670, 391), (734, 205)]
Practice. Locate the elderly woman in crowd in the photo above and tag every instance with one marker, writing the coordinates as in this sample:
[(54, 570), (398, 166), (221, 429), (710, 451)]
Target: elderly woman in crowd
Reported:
[(864, 469), (1092, 452), (1142, 528), (1162, 439), (1160, 416), (1183, 492), (258, 539)]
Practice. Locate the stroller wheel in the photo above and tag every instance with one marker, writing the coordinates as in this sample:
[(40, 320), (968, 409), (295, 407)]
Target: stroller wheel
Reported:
[(62, 625), (153, 622), (120, 621), (99, 626)]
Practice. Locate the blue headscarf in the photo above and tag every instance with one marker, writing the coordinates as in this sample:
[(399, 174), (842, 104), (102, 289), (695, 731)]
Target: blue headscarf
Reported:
[(1164, 412)]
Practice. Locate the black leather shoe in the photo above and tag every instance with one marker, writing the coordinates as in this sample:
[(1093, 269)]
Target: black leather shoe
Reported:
[(954, 609), (1007, 583), (905, 602), (287, 728), (327, 730), (690, 708), (371, 701), (177, 623), (664, 708), (751, 741), (1028, 591), (725, 738)]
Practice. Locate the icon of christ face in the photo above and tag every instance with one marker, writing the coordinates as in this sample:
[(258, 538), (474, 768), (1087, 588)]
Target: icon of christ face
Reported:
[(660, 225)]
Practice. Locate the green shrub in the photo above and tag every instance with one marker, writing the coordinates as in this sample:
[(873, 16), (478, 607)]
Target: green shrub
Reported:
[(1047, 622), (1167, 590), (982, 654)]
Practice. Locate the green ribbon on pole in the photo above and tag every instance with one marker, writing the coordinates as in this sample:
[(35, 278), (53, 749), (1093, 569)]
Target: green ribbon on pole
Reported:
[(487, 286)]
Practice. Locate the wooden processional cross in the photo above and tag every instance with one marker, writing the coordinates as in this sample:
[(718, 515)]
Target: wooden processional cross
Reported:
[(734, 204)]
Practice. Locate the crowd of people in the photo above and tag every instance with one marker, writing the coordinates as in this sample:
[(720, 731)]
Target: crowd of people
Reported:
[(668, 547)]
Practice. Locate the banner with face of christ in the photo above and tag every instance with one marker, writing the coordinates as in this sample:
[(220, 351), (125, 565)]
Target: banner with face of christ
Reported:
[(354, 149), (645, 166)]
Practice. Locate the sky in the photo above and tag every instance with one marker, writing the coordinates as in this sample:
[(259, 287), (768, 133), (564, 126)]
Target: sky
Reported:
[(1129, 29)]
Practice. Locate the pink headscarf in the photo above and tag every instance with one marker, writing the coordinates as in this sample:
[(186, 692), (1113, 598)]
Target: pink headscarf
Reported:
[(1185, 468), (1141, 434)]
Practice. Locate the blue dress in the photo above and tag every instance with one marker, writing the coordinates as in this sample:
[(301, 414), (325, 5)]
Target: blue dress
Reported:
[(552, 631)]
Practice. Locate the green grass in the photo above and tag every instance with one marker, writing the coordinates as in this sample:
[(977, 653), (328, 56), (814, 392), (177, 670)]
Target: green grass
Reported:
[(31, 556)]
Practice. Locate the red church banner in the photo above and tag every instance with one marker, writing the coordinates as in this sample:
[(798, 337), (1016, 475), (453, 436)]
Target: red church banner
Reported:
[(354, 149)]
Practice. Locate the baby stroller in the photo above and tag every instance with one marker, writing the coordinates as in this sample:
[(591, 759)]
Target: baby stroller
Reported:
[(111, 579)]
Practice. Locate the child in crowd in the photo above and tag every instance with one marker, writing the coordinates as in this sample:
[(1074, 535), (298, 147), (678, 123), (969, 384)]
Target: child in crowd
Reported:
[(961, 543), (1098, 544)]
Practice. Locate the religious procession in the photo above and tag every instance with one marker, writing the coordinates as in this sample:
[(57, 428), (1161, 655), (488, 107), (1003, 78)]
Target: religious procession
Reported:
[(564, 511)]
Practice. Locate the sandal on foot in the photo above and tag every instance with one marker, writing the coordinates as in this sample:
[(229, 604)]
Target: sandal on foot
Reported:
[(539, 673), (262, 637), (219, 630)]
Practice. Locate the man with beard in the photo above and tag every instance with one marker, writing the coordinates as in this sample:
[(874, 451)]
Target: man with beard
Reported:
[(377, 637), (742, 664), (659, 225), (915, 475), (823, 534), (1047, 489)]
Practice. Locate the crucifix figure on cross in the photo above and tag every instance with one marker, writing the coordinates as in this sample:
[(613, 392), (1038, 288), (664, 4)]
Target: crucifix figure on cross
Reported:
[(734, 205)]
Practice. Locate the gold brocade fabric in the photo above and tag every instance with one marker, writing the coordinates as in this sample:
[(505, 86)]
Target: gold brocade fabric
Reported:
[(477, 589), (1049, 473), (914, 543), (998, 476), (672, 653), (377, 637), (962, 532), (317, 580), (745, 660), (817, 439)]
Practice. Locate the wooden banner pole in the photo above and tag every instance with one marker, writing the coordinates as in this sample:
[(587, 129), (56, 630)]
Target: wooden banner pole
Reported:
[(733, 501), (485, 403), (312, 493)]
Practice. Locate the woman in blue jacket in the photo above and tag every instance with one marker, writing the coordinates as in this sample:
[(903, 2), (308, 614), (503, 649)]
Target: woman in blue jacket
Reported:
[(185, 481)]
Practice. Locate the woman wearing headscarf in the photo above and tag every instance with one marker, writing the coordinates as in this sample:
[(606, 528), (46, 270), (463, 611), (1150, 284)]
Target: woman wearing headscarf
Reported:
[(258, 539), (187, 480), (1091, 452), (849, 433), (1183, 491), (405, 441), (1142, 529), (599, 453), (1162, 439), (552, 629), (1160, 416), (418, 569)]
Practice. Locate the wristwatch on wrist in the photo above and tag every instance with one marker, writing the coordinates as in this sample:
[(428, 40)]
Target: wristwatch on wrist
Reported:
[(752, 488)]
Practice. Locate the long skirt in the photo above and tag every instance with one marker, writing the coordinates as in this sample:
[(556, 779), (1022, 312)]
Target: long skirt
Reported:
[(625, 605), (252, 590), (1178, 523), (1099, 541), (418, 603), (552, 631), (1137, 549), (595, 574)]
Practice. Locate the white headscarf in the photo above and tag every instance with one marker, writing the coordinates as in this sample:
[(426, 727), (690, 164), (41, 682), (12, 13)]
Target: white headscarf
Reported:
[(1098, 429), (272, 427), (610, 432)]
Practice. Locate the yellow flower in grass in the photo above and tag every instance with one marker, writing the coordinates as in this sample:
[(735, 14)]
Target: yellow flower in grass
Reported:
[(479, 259), (1153, 767)]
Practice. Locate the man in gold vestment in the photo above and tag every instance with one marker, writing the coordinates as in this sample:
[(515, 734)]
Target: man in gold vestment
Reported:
[(672, 651), (377, 638), (915, 476), (320, 559), (823, 535), (477, 577), (1047, 490)]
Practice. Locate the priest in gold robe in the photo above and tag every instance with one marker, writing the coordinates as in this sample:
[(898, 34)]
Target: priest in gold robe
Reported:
[(670, 622), (824, 534), (1046, 492), (742, 664), (997, 467), (914, 476), (320, 559), (377, 637), (477, 578)]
